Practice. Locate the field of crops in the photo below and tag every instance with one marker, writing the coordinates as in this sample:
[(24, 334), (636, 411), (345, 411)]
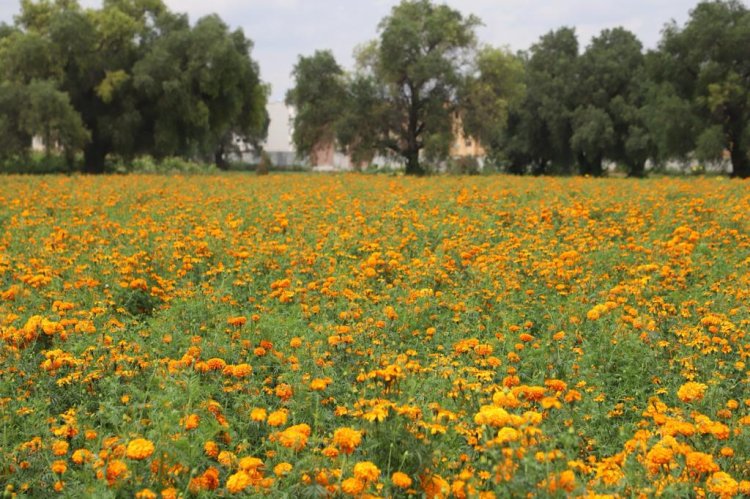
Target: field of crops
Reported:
[(309, 336)]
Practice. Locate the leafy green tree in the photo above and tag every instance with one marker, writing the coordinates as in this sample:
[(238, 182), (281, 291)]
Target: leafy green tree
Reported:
[(496, 84), (701, 94), (404, 96), (318, 97), (609, 122), (540, 127), (139, 77)]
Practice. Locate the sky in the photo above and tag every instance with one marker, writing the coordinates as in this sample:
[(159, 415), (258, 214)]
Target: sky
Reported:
[(284, 29)]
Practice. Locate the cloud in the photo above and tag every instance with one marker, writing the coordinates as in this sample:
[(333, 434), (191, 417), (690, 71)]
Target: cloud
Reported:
[(284, 29)]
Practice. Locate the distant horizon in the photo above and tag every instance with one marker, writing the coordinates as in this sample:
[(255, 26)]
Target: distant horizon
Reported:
[(284, 29)]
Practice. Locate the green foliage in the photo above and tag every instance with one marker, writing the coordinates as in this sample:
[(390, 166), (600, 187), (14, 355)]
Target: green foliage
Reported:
[(318, 99), (128, 78), (540, 126), (403, 96), (496, 85), (702, 70)]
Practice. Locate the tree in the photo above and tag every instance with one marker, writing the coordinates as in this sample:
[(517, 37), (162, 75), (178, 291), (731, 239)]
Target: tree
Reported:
[(318, 97), (140, 79), (540, 127), (701, 94), (608, 122), (496, 84), (404, 95)]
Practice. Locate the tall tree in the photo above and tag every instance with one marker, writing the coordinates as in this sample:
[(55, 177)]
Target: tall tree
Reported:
[(409, 82), (139, 77), (702, 84), (318, 97), (540, 127), (495, 84), (608, 123)]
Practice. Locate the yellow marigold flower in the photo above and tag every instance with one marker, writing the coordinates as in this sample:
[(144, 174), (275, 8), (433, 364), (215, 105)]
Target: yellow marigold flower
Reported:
[(226, 458), (401, 480), (146, 494), (170, 493), (347, 439), (366, 471), (490, 415), (282, 469), (277, 418), (352, 486), (691, 391), (59, 467), (248, 464), (723, 485), (140, 448), (295, 342), (258, 414), (238, 482), (506, 435), (319, 384)]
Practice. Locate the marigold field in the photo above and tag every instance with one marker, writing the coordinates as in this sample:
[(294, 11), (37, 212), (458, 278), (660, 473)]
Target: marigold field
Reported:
[(314, 336)]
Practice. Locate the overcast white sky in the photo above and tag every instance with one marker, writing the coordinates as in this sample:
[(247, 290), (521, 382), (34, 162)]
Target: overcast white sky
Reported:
[(284, 29)]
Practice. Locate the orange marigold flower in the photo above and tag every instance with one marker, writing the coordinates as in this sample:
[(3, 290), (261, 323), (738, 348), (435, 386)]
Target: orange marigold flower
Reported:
[(284, 391), (277, 418), (59, 467), (353, 486), (347, 439), (60, 447), (192, 422), (211, 448), (81, 456), (116, 469), (146, 494), (401, 480), (237, 321), (140, 448), (699, 463)]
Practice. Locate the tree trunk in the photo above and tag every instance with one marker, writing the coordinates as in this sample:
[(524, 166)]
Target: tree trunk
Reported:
[(740, 162), (412, 163), (94, 155), (221, 162), (637, 169)]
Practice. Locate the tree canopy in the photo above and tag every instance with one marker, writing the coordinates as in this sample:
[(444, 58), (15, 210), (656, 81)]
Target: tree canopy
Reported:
[(128, 78)]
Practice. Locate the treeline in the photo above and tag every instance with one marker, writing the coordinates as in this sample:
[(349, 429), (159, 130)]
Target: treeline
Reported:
[(128, 79), (553, 109)]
